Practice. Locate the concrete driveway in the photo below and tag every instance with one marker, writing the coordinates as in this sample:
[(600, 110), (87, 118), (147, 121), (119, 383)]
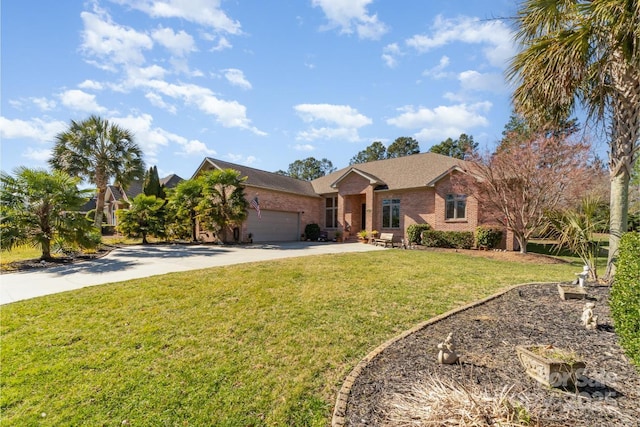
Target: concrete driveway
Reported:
[(134, 262)]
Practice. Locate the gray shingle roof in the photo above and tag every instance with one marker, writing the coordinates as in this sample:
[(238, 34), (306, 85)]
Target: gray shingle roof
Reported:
[(170, 181), (417, 170), (262, 179)]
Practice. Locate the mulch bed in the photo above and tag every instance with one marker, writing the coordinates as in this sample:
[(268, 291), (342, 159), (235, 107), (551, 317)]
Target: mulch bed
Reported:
[(486, 337)]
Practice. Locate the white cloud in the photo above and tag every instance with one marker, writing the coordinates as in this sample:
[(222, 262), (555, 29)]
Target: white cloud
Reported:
[(149, 138), (442, 121), (91, 84), (39, 156), (494, 34), (241, 159), (77, 100), (236, 78), (390, 53), (341, 115), (112, 43), (196, 148), (227, 113), (178, 44), (157, 101), (35, 129), (44, 104), (438, 72), (304, 147), (223, 43), (343, 120), (352, 16), (487, 82), (203, 12)]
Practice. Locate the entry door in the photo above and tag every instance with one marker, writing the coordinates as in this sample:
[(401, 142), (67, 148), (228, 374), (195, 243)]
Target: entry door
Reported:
[(363, 217)]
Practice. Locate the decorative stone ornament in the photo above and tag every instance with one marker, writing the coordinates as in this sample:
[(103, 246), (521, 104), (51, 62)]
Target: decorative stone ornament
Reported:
[(447, 351), (571, 292), (589, 320), (582, 276), (550, 366)]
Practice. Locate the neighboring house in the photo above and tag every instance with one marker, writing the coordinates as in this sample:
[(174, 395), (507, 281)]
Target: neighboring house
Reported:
[(119, 197), (385, 195)]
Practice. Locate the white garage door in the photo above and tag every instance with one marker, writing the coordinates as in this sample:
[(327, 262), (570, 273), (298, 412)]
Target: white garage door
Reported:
[(273, 226)]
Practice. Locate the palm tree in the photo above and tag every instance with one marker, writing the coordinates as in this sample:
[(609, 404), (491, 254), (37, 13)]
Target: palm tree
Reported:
[(97, 151), (223, 204), (183, 201), (588, 53), (40, 208)]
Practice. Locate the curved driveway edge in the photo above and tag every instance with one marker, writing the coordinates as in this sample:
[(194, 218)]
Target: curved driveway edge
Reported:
[(134, 262), (340, 410)]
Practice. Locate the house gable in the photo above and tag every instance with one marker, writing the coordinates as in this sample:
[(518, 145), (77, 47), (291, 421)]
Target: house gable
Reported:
[(363, 176), (260, 179)]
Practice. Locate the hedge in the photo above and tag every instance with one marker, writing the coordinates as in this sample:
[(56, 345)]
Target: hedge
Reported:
[(625, 296), (414, 231), (447, 239), (487, 237)]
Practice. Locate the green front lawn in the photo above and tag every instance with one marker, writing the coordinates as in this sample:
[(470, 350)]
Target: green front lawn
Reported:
[(248, 345)]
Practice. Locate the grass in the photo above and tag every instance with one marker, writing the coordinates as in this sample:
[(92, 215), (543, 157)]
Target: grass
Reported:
[(547, 247), (262, 344), (19, 253)]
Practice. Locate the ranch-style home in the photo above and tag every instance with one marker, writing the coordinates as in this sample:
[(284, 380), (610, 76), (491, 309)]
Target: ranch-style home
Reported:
[(385, 195)]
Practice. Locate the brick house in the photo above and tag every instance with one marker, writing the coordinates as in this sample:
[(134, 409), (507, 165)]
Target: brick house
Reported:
[(385, 195)]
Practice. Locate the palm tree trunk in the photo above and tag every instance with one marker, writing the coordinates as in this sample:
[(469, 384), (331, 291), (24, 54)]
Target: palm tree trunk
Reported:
[(101, 183), (619, 205), (46, 249), (99, 208), (624, 147)]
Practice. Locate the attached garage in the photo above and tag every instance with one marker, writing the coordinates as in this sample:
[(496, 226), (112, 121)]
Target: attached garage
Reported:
[(274, 226)]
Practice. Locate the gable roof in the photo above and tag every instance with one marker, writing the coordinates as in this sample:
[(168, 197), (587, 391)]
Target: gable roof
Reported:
[(259, 178), (372, 179), (414, 171), (171, 181)]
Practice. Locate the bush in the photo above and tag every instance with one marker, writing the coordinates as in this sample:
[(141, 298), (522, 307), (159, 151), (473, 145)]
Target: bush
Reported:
[(414, 231), (487, 237), (625, 296), (634, 222), (108, 230), (312, 232), (447, 239)]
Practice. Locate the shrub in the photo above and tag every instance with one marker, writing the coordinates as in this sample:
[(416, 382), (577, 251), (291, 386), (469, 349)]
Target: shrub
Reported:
[(625, 296), (108, 230), (414, 231), (487, 237), (312, 231), (447, 239), (433, 239), (634, 221)]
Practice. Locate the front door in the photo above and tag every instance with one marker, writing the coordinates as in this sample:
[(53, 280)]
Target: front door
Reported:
[(363, 217)]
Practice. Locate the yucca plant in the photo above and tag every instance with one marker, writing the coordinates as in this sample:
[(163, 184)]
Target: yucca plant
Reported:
[(575, 230)]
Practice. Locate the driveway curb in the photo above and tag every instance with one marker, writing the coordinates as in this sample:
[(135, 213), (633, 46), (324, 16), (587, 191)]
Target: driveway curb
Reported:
[(340, 410)]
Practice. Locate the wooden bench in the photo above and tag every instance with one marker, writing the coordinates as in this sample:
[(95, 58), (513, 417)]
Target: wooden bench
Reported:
[(384, 239)]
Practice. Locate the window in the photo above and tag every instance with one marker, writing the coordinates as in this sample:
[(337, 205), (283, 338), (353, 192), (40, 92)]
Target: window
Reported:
[(331, 212), (456, 206), (391, 213)]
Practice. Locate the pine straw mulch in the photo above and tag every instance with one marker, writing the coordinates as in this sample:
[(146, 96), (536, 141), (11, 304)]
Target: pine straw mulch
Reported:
[(398, 384), (58, 259)]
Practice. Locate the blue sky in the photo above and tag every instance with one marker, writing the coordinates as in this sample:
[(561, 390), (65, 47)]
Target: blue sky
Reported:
[(260, 83)]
